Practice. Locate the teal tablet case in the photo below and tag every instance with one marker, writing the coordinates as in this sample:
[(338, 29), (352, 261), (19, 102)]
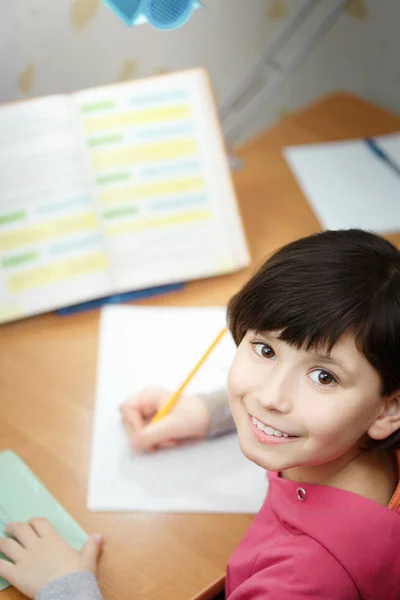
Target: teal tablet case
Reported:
[(23, 496)]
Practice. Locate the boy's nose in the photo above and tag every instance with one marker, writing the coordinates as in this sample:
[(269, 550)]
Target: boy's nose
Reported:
[(276, 396), (274, 402)]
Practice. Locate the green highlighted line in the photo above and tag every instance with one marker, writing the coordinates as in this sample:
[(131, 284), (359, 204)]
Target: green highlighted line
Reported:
[(113, 178), (120, 212), (12, 217), (96, 106), (18, 259), (104, 141)]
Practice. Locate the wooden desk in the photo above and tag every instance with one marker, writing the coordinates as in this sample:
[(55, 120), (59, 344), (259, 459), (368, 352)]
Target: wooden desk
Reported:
[(48, 365)]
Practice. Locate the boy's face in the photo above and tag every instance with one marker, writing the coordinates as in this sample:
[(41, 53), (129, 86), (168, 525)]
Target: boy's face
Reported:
[(294, 408)]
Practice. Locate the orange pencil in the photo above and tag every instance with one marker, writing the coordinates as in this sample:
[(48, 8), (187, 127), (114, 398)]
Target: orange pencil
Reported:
[(164, 410)]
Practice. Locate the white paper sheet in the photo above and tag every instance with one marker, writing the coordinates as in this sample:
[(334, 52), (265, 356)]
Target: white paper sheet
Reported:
[(147, 346), (347, 185)]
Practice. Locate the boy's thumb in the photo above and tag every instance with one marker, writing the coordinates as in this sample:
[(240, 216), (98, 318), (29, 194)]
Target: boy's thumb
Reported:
[(155, 433), (91, 551)]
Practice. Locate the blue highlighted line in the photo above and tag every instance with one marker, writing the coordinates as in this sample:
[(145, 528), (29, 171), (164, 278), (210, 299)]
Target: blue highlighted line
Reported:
[(63, 204), (179, 202), (160, 98), (171, 169), (76, 244)]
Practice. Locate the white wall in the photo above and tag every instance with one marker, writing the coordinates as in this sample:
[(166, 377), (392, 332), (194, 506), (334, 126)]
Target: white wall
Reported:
[(65, 45)]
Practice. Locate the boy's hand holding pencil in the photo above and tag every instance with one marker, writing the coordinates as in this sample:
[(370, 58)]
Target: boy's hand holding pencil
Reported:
[(157, 419), (188, 419)]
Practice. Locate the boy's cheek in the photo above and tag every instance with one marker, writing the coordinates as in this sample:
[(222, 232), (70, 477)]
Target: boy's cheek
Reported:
[(237, 381)]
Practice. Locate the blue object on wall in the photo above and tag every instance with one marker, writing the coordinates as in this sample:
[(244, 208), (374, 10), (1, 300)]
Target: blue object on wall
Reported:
[(168, 14), (127, 10), (161, 14)]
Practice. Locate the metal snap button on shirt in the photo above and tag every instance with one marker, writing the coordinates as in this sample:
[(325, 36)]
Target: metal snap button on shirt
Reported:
[(301, 494)]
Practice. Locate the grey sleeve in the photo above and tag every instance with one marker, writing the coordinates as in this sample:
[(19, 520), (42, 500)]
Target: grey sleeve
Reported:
[(221, 420), (81, 585)]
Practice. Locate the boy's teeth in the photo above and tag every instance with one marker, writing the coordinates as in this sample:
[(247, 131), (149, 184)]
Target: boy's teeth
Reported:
[(269, 430)]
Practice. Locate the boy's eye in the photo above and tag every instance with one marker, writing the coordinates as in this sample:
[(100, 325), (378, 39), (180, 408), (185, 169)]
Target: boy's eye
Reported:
[(263, 350), (322, 377)]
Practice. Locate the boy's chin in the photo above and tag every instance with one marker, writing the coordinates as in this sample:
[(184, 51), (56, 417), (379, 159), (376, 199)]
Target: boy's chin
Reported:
[(267, 458)]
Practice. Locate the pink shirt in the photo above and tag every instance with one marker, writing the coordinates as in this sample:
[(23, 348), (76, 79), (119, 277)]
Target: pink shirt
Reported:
[(329, 545)]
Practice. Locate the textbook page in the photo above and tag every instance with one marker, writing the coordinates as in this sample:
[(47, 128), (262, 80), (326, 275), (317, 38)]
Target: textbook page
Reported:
[(149, 346), (162, 180), (52, 252)]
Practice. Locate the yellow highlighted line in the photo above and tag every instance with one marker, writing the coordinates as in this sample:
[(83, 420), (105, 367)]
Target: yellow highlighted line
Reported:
[(47, 231), (137, 117), (10, 311), (54, 273), (109, 159), (168, 221), (160, 188), (224, 264)]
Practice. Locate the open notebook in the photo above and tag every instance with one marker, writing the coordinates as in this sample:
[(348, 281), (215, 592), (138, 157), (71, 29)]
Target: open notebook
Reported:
[(23, 497), (113, 189), (149, 346), (347, 185)]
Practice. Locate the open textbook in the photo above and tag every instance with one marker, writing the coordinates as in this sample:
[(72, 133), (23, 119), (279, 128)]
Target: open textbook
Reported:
[(113, 189), (149, 346)]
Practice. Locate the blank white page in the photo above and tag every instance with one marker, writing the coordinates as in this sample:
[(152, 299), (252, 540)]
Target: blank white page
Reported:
[(347, 185), (147, 346)]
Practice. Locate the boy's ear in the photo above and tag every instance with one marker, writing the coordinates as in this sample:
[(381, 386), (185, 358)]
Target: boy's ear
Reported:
[(388, 421)]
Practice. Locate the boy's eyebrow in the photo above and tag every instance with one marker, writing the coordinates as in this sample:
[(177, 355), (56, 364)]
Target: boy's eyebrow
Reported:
[(316, 355), (335, 361), (268, 334)]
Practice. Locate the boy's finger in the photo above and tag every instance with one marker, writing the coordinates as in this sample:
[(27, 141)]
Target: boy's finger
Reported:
[(7, 570), (132, 425), (127, 427), (22, 532), (91, 551), (42, 526), (148, 401), (135, 419), (127, 409), (11, 549), (168, 444), (155, 434)]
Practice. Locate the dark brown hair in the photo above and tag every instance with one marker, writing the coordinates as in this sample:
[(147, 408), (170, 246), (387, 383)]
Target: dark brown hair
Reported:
[(315, 289)]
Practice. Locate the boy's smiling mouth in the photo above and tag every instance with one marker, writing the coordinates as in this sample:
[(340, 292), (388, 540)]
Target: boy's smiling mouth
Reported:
[(268, 434)]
